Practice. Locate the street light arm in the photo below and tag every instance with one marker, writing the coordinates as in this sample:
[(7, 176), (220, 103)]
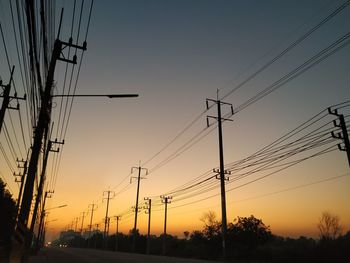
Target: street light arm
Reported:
[(111, 96), (56, 207)]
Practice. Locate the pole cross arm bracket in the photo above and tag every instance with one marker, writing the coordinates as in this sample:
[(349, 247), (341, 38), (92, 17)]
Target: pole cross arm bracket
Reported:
[(341, 147), (343, 135), (334, 112), (337, 136), (70, 44)]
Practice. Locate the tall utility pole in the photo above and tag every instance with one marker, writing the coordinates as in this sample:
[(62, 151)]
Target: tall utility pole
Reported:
[(139, 168), (93, 208), (222, 171), (21, 180), (165, 201), (42, 181), (344, 136), (117, 218), (106, 218), (82, 222), (148, 208), (41, 127), (42, 218), (7, 98), (76, 224)]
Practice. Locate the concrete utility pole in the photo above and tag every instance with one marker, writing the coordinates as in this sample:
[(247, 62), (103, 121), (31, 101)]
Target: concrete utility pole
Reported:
[(7, 98), (76, 224), (139, 168), (166, 201), (82, 222), (148, 208), (222, 171), (117, 218), (42, 181), (106, 218), (93, 208), (42, 218), (42, 126), (21, 180), (344, 136)]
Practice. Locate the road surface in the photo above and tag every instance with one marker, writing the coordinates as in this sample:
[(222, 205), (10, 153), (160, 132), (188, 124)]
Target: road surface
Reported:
[(76, 255)]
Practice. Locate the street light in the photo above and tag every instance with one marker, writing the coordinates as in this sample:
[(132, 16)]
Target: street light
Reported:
[(41, 231), (111, 96)]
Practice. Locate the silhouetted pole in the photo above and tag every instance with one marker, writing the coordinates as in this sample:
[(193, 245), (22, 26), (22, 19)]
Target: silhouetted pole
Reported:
[(148, 211), (222, 171), (76, 224), (93, 208), (109, 222), (42, 182), (117, 233), (41, 228), (22, 176), (42, 125), (165, 201), (105, 232), (345, 136), (42, 218), (137, 203), (82, 222), (106, 218), (6, 98)]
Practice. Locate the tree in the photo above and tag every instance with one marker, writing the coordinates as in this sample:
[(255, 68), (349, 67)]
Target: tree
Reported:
[(212, 226), (329, 226), (249, 232), (7, 218)]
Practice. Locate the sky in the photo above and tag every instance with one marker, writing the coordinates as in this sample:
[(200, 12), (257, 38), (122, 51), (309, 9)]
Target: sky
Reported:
[(175, 55)]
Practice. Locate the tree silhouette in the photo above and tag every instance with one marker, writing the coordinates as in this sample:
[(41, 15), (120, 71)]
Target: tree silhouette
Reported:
[(7, 219), (212, 226), (329, 226), (247, 234)]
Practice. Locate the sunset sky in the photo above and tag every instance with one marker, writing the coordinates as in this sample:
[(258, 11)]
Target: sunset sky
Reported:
[(175, 55)]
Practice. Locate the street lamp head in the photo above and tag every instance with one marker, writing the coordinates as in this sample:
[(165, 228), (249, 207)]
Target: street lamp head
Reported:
[(112, 96)]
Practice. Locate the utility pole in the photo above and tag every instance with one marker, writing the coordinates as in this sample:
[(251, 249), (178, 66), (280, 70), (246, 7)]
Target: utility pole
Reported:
[(76, 224), (148, 208), (7, 98), (82, 222), (344, 136), (222, 171), (166, 201), (21, 180), (42, 218), (42, 126), (117, 218), (139, 168), (108, 224), (105, 232), (93, 208), (42, 180)]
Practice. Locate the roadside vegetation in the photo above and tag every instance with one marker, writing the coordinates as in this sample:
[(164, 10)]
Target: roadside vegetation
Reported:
[(249, 240)]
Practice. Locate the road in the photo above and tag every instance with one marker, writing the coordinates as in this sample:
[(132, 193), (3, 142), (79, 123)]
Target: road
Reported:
[(76, 255)]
